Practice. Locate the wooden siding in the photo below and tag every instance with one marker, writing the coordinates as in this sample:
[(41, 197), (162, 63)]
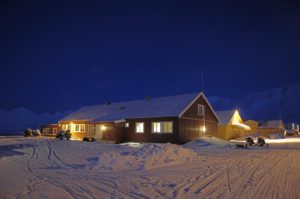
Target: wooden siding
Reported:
[(267, 131), (192, 112), (148, 136), (190, 129), (229, 132), (253, 125), (191, 124), (51, 128), (185, 129)]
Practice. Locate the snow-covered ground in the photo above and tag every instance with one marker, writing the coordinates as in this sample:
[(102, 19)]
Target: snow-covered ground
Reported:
[(205, 168)]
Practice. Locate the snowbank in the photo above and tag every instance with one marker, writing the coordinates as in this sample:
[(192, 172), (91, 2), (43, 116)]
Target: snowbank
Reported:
[(208, 142), (149, 156)]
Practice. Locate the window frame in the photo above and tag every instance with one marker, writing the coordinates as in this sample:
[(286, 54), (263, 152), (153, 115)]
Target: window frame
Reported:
[(82, 129), (136, 127), (162, 127), (75, 129), (202, 108)]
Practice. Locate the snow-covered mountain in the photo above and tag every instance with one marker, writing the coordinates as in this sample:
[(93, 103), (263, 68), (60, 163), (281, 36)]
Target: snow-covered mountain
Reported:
[(18, 119), (278, 103), (282, 102)]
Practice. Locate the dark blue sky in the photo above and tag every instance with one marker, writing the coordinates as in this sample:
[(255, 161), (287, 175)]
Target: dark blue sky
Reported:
[(57, 56)]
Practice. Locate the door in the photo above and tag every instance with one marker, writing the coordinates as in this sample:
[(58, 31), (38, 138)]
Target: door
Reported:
[(99, 132)]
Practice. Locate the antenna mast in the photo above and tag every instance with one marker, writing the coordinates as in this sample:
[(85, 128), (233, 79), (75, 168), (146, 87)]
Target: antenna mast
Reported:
[(202, 86)]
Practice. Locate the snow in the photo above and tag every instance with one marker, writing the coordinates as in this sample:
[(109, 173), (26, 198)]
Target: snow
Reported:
[(205, 168), (148, 156), (154, 107), (225, 116)]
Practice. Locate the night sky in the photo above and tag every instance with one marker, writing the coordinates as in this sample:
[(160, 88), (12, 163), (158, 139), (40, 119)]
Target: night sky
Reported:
[(58, 56)]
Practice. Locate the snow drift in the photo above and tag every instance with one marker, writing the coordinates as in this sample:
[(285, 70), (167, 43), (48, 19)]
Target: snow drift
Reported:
[(149, 156)]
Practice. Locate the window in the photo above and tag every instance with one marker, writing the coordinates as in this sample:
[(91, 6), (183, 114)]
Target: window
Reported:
[(77, 127), (201, 110), (162, 127), (82, 127), (235, 131), (139, 127), (45, 130), (54, 131), (88, 128), (127, 125), (66, 127)]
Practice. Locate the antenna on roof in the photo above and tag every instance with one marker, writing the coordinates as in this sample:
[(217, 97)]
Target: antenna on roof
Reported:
[(202, 86)]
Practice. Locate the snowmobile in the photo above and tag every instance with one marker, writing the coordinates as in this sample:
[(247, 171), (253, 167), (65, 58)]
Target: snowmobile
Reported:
[(261, 142), (249, 141)]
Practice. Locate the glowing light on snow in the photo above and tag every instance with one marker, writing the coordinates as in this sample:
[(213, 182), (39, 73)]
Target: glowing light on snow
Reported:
[(274, 141), (132, 144), (286, 140)]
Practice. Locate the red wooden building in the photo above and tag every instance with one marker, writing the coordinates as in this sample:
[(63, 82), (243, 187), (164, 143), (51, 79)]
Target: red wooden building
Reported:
[(176, 119)]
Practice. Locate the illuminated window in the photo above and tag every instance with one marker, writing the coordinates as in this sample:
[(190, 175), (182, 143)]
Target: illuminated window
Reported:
[(162, 127), (54, 131), (77, 127), (139, 127), (64, 127), (201, 110), (82, 127), (127, 125)]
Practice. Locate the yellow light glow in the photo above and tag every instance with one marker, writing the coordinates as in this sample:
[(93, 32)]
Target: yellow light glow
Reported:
[(203, 129), (236, 120), (103, 128)]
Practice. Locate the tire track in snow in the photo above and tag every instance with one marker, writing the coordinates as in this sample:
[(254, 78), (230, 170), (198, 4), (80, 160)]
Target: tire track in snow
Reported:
[(258, 174), (41, 176)]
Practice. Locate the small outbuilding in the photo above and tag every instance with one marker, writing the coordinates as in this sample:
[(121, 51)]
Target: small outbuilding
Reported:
[(253, 126), (271, 127), (231, 125), (49, 129)]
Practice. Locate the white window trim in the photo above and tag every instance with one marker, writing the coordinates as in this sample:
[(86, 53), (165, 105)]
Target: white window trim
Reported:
[(201, 107), (78, 128), (136, 130), (162, 132)]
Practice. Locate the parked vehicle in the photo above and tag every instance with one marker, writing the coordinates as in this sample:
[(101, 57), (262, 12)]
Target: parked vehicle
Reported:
[(261, 142), (28, 132), (89, 139), (249, 141), (64, 135)]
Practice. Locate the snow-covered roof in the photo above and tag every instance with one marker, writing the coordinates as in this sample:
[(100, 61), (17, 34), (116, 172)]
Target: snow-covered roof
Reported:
[(155, 107), (270, 124), (225, 116)]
